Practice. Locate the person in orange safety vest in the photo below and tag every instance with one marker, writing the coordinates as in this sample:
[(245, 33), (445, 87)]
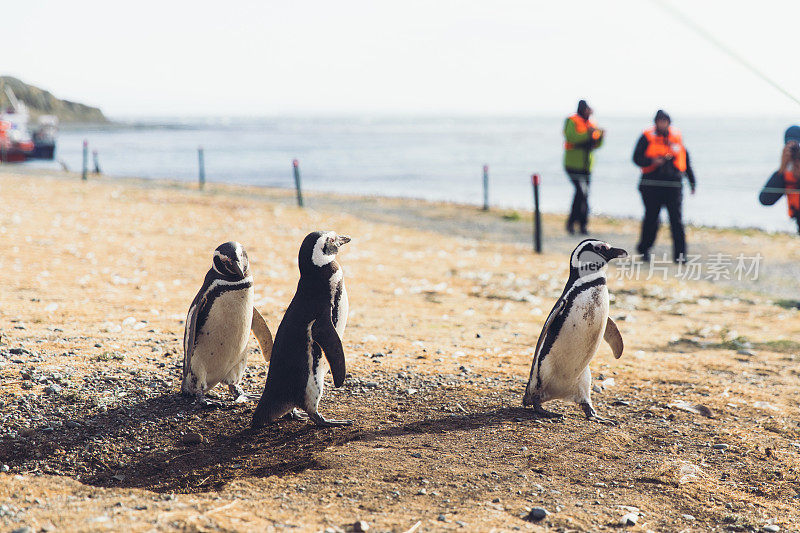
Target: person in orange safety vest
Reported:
[(788, 175), (664, 161)]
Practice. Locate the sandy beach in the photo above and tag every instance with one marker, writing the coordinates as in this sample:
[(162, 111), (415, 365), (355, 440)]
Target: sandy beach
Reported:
[(447, 303)]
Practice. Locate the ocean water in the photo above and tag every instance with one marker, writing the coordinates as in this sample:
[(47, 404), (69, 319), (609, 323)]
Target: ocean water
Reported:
[(441, 158)]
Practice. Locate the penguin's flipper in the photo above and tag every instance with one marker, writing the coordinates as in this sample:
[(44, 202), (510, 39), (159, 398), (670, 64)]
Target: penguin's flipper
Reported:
[(326, 336), (262, 333), (557, 308), (189, 336), (533, 381), (613, 338)]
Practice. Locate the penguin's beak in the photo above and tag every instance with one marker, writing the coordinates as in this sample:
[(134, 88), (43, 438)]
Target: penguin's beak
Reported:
[(342, 239), (615, 253)]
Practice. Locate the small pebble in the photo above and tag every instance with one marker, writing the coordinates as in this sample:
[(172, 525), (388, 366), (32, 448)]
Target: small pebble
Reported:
[(629, 519), (687, 517), (720, 446), (772, 528), (441, 518), (536, 514), (192, 438), (360, 527), (5, 468)]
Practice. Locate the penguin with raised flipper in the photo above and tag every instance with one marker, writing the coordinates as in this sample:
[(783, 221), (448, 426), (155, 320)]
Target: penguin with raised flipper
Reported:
[(218, 326), (572, 333), (313, 324)]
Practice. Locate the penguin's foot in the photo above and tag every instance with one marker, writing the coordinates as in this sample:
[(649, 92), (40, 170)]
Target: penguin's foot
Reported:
[(319, 420), (592, 415), (295, 414), (238, 393), (602, 420), (544, 413), (205, 402), (540, 411)]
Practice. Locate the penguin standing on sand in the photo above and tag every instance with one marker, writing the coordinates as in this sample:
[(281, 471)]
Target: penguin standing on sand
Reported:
[(313, 324), (572, 332), (218, 326)]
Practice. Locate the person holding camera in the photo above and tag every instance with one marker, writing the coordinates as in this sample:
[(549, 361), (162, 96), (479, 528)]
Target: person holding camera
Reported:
[(787, 177), (581, 138), (664, 161)]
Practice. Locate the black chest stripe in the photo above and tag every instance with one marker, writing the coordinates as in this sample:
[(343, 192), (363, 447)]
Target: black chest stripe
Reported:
[(337, 297), (552, 332), (208, 300)]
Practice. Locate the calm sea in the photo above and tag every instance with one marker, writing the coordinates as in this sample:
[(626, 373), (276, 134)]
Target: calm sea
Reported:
[(442, 159)]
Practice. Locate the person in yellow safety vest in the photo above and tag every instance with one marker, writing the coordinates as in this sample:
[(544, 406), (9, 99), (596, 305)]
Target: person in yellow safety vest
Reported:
[(664, 161), (581, 138)]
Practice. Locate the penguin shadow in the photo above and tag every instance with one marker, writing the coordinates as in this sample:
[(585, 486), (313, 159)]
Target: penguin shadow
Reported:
[(145, 445), (284, 448)]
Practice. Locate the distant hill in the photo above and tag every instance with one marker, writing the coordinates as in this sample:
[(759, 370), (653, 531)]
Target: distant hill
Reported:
[(41, 102)]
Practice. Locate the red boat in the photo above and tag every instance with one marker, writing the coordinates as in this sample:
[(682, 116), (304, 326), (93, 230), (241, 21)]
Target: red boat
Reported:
[(15, 141), (13, 149)]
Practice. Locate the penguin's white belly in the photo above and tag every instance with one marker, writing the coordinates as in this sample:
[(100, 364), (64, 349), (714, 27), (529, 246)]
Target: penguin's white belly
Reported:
[(219, 353), (576, 344), (315, 382), (340, 320)]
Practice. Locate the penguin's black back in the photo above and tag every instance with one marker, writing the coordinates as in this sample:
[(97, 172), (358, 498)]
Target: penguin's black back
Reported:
[(289, 366)]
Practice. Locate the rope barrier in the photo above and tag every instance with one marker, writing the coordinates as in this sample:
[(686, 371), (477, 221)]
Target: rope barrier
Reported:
[(679, 183), (723, 47)]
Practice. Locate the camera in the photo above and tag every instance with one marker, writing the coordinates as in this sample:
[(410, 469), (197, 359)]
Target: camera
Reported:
[(794, 151)]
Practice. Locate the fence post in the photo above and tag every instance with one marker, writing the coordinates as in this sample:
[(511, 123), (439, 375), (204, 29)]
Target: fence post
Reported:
[(296, 166), (85, 159), (201, 177), (537, 219), (485, 187)]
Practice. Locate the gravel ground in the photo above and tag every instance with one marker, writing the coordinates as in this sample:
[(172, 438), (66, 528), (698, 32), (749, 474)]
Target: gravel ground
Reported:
[(96, 281)]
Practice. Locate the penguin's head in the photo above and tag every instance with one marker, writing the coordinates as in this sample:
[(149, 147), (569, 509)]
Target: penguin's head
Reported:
[(592, 256), (230, 261), (319, 248)]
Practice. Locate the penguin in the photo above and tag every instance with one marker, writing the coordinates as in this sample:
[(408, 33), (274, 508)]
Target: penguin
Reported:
[(313, 323), (218, 326), (572, 332)]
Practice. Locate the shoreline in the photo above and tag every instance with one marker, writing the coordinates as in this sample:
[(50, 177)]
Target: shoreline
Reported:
[(278, 192), (781, 250)]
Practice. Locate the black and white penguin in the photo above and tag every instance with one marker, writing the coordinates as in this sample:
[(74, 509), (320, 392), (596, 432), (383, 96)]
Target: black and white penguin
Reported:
[(572, 332), (218, 326), (314, 323)]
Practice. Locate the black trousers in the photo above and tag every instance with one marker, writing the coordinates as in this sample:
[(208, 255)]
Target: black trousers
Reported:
[(654, 198), (580, 202)]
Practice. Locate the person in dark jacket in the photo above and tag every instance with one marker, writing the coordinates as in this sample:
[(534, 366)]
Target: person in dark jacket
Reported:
[(581, 138), (664, 161)]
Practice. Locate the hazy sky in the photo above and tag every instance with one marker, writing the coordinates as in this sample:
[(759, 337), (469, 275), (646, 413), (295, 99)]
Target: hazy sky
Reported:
[(411, 56)]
